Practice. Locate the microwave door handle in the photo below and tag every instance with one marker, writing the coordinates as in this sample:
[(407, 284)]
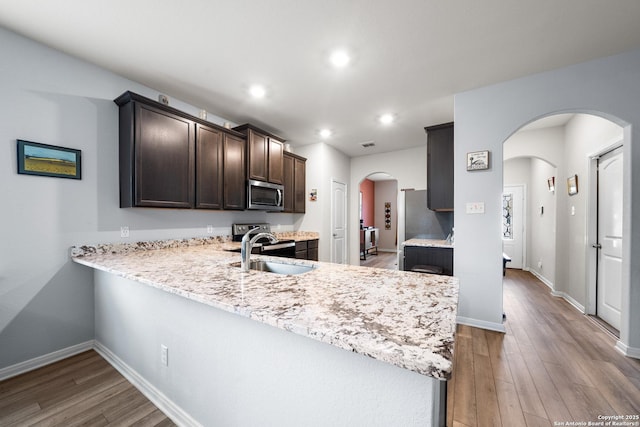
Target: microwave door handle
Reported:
[(279, 202)]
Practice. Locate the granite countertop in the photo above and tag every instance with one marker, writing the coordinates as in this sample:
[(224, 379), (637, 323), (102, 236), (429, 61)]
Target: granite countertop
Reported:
[(403, 318), (429, 243)]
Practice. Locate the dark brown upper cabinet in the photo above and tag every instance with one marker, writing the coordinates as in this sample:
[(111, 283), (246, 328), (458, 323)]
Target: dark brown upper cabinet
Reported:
[(209, 168), (156, 155), (169, 158), (235, 186), (264, 154), (440, 167), (294, 183)]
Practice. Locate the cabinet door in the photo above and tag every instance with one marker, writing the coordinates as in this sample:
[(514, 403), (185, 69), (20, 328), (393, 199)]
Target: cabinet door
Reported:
[(312, 250), (209, 168), (235, 190), (440, 167), (164, 159), (289, 183), (440, 257), (258, 155), (299, 197), (276, 151)]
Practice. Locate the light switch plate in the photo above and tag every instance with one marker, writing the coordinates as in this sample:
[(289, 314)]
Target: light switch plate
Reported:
[(475, 208)]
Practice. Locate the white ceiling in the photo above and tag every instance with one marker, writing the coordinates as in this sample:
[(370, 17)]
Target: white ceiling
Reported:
[(409, 56)]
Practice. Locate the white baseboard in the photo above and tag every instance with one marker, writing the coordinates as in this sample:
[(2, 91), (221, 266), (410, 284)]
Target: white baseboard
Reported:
[(542, 279), (628, 351), (482, 324), (570, 300), (47, 359), (162, 402)]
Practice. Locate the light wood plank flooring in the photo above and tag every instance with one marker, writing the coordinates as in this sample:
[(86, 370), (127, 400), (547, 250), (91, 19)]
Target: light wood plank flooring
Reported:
[(388, 260), (81, 390), (552, 365)]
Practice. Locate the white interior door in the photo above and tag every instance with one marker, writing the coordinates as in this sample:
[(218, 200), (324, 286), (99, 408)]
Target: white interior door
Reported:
[(338, 222), (609, 282), (513, 224)]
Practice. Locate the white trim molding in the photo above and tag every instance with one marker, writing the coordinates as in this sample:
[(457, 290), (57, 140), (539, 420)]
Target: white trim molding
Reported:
[(542, 278), (569, 299), (47, 359), (482, 324), (628, 351), (162, 402)]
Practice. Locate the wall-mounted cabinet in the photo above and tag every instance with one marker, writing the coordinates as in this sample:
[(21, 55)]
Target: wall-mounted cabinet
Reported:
[(440, 167), (294, 183), (264, 154), (171, 159)]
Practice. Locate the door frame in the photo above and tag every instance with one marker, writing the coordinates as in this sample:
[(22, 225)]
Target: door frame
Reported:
[(591, 254), (525, 225), (345, 219)]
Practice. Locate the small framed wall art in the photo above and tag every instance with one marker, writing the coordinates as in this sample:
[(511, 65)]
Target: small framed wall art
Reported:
[(551, 183), (48, 160), (478, 160), (572, 185)]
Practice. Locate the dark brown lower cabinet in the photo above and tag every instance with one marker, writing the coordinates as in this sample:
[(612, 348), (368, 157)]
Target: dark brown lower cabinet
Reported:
[(307, 249), (429, 256)]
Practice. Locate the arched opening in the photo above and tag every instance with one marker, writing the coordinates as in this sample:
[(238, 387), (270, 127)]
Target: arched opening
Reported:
[(553, 234), (378, 220)]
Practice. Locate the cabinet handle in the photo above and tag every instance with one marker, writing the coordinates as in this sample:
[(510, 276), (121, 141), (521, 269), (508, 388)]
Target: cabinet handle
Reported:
[(597, 246)]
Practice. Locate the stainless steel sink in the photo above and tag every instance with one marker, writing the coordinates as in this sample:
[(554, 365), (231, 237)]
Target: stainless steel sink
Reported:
[(278, 267)]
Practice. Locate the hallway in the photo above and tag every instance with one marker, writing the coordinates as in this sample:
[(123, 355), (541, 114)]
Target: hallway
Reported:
[(552, 365)]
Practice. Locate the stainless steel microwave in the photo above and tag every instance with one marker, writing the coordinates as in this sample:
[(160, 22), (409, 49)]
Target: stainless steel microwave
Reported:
[(265, 196)]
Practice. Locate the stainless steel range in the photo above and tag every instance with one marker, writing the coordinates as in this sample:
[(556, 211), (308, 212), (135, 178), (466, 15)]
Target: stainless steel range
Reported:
[(282, 248)]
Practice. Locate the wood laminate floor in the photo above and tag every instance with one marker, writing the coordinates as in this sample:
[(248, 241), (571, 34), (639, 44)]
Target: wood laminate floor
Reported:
[(552, 366), (83, 390), (387, 260)]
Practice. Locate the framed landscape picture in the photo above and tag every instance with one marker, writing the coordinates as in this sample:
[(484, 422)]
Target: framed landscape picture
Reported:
[(478, 160), (48, 160)]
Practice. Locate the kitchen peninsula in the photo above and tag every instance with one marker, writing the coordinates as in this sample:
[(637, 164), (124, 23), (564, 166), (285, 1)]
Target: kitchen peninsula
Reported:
[(216, 346)]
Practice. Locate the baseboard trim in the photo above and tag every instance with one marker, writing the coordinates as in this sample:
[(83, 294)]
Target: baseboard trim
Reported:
[(482, 324), (570, 300), (166, 405), (627, 351), (542, 279), (47, 359)]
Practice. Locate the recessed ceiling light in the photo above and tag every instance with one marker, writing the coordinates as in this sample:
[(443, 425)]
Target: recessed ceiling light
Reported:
[(340, 58), (257, 91), (386, 119), (326, 133)]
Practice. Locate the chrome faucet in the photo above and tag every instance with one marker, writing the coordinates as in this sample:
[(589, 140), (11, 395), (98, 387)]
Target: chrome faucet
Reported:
[(247, 245)]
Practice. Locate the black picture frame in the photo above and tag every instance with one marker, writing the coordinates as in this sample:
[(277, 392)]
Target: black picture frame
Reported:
[(39, 159)]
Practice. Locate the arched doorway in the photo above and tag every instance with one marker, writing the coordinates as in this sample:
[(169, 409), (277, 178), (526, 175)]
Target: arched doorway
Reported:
[(378, 220), (556, 160)]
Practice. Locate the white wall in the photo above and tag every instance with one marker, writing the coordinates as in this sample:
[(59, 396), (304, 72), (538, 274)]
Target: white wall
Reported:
[(386, 191), (228, 370), (46, 302), (324, 163), (541, 251), (485, 118), (408, 167)]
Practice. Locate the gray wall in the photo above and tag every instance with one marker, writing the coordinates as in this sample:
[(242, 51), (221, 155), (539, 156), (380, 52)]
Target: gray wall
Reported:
[(46, 301), (485, 118)]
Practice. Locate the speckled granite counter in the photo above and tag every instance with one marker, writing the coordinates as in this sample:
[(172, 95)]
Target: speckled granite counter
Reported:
[(402, 318), (429, 243)]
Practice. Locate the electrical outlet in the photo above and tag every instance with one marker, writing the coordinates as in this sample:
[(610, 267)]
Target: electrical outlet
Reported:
[(209, 229), (124, 231), (164, 355)]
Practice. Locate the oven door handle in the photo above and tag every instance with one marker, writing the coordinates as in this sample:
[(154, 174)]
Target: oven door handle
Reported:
[(277, 246)]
